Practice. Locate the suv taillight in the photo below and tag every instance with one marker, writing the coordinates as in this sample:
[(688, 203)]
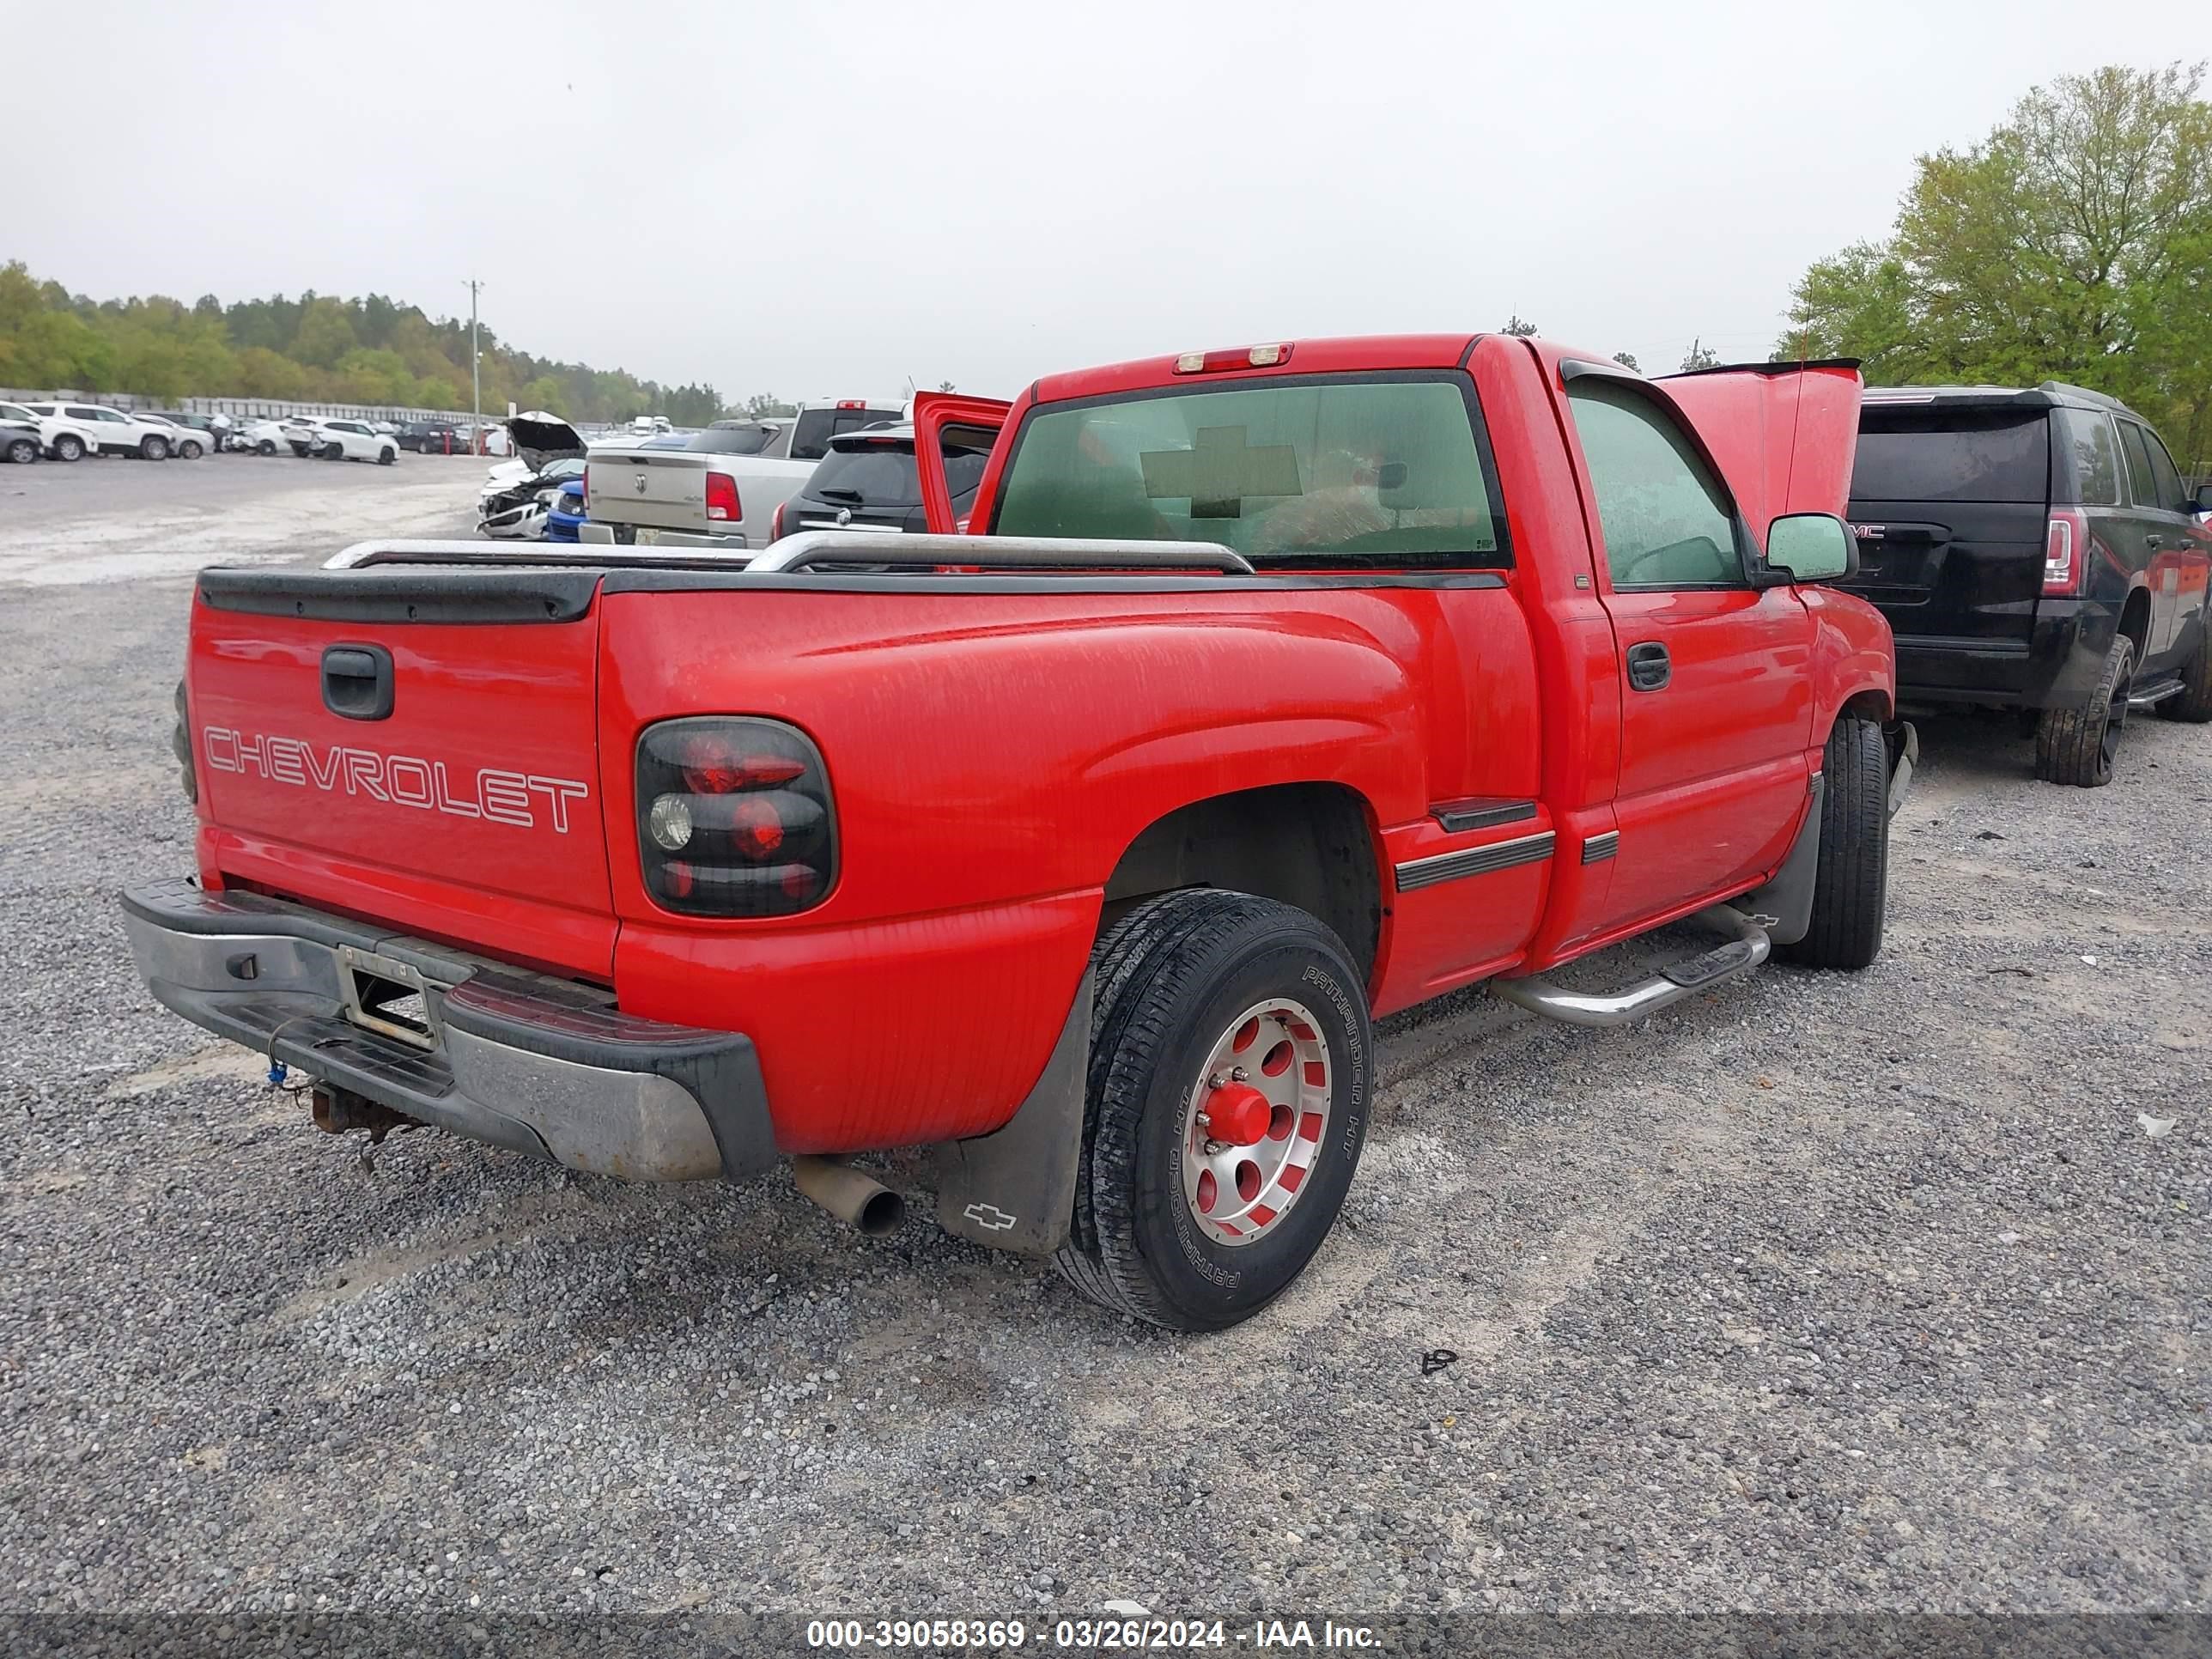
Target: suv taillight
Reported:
[(733, 817), (723, 498), (775, 523), (2065, 550)]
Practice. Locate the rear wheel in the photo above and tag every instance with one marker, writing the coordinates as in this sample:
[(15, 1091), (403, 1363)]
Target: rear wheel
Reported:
[(334, 451), (23, 450), (266, 447), (1850, 891), (2194, 704), (68, 447), (2080, 746), (1226, 1109), (154, 449), (190, 449), (386, 456)]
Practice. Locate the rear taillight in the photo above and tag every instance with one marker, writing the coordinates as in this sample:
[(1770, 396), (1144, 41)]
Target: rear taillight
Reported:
[(775, 523), (723, 498), (852, 403), (584, 491), (2065, 550), (733, 817)]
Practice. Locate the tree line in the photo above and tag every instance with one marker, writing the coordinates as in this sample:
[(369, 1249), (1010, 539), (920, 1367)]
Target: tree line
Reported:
[(2074, 243), (317, 348)]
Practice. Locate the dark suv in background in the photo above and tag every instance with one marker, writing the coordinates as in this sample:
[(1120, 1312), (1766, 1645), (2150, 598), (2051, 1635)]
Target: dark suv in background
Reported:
[(869, 481), (2035, 550)]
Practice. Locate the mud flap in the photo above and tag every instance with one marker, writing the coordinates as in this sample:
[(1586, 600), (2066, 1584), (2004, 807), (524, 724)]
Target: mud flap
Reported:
[(1789, 897), (1014, 1188)]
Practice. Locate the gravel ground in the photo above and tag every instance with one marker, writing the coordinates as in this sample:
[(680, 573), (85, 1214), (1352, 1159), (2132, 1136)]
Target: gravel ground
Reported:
[(1820, 1291)]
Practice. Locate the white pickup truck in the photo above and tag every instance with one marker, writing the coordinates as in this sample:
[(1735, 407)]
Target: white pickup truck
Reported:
[(722, 489)]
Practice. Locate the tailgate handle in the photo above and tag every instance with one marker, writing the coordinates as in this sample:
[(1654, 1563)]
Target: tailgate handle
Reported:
[(357, 682)]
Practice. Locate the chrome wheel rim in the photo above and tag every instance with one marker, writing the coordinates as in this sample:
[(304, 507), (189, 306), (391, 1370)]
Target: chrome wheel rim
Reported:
[(1255, 1121)]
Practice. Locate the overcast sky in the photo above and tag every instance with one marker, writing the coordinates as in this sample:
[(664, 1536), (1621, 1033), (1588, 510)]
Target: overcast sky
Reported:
[(817, 200)]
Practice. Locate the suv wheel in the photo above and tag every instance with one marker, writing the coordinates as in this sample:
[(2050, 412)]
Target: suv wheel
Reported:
[(190, 449), (2079, 745), (68, 447), (23, 450), (2194, 702), (1225, 1108), (154, 449), (1851, 888), (386, 456)]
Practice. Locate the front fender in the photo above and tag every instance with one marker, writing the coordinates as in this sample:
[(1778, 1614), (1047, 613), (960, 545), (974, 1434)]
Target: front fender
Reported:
[(1854, 657)]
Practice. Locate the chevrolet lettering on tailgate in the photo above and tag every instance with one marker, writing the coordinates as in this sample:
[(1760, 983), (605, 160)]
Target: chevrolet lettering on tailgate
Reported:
[(500, 796)]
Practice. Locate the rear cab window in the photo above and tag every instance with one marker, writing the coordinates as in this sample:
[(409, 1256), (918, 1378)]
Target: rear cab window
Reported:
[(1349, 470), (731, 440), (1921, 453)]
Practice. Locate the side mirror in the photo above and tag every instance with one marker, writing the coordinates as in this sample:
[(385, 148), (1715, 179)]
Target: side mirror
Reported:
[(1811, 547), (2202, 499)]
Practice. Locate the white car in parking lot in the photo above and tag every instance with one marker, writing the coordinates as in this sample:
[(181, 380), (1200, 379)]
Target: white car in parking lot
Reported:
[(81, 429), (343, 440), (185, 442)]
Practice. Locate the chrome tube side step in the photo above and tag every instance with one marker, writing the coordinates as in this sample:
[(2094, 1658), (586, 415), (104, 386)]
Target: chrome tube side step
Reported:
[(1747, 946)]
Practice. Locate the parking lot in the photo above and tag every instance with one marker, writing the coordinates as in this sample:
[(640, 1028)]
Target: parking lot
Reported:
[(1882, 1291)]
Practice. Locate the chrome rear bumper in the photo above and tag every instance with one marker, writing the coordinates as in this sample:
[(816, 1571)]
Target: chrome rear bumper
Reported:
[(521, 1060)]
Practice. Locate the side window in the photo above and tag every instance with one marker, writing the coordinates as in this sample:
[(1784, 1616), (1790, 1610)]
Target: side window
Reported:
[(1668, 521), (2165, 479), (79, 413), (2142, 482), (2088, 435)]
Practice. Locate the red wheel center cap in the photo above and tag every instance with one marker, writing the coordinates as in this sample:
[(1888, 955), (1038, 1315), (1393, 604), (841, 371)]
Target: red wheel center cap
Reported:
[(1238, 1114)]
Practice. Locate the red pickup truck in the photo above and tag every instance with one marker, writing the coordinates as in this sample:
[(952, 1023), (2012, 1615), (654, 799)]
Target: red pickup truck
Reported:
[(1275, 690)]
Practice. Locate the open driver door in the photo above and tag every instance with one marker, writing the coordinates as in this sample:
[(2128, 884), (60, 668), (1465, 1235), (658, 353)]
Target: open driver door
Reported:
[(952, 439)]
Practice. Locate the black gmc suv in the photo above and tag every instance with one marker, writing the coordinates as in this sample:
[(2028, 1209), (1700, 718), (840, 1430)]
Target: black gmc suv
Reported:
[(2035, 550)]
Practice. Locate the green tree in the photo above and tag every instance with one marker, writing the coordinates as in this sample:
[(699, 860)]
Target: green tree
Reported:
[(1517, 329), (1626, 360), (1700, 355), (2071, 243)]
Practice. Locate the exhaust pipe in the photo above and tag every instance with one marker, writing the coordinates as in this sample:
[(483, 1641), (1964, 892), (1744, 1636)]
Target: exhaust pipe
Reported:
[(866, 1206)]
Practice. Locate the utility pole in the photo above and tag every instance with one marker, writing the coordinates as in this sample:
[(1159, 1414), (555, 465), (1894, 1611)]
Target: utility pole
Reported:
[(475, 364)]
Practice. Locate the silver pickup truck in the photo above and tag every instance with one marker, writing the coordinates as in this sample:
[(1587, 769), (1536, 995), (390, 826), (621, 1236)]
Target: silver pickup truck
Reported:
[(723, 488)]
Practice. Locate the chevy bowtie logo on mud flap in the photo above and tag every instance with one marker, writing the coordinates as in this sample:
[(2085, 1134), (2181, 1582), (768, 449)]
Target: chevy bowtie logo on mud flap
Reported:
[(989, 1215), (493, 794)]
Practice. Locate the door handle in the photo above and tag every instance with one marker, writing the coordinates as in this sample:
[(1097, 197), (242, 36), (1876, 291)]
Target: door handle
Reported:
[(2152, 540), (1650, 668)]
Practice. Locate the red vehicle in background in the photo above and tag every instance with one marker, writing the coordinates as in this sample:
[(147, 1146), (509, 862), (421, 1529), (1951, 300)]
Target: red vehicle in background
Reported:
[(1281, 688)]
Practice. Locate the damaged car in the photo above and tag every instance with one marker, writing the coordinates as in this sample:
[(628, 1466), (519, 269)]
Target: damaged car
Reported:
[(518, 493)]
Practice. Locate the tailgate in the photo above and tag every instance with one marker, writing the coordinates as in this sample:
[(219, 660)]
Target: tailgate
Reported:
[(665, 489), (416, 747)]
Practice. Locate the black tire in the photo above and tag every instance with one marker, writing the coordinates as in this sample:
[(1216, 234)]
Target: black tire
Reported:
[(2194, 705), (386, 456), (266, 447), (68, 447), (1170, 975), (2080, 746), (334, 452), (300, 450), (23, 450), (1851, 890), (190, 449), (154, 449)]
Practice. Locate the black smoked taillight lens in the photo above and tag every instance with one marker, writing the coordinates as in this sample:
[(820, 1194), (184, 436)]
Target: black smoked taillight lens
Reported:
[(733, 817)]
